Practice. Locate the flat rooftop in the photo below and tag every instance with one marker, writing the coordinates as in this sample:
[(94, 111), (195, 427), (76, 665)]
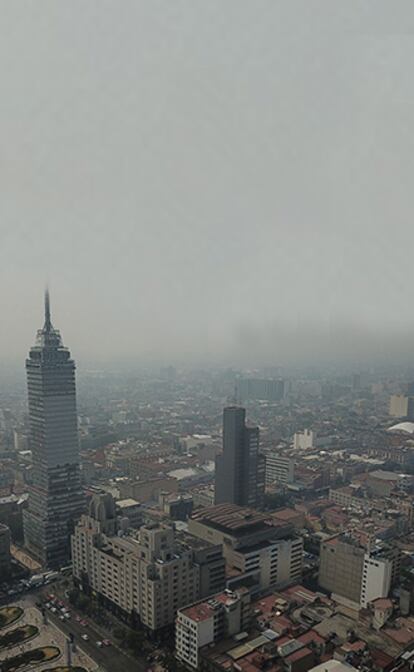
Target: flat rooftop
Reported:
[(202, 611), (126, 503), (230, 518), (189, 540)]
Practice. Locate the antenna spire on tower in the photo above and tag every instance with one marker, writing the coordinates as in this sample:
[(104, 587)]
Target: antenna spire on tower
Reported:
[(48, 323)]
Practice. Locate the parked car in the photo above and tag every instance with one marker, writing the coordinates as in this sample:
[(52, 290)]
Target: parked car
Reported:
[(106, 642), (85, 637), (100, 644)]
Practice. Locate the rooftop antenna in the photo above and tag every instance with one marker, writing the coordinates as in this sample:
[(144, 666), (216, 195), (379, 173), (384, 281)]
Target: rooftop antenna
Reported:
[(48, 323)]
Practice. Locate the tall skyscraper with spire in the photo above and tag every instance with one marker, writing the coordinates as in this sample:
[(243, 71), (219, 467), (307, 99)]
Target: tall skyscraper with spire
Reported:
[(55, 494)]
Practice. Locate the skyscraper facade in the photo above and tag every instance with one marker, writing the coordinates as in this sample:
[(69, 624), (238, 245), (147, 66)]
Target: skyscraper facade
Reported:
[(240, 469), (55, 494)]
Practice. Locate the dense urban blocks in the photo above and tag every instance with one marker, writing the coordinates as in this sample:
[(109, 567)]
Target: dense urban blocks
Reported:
[(9, 615), (18, 636), (30, 658)]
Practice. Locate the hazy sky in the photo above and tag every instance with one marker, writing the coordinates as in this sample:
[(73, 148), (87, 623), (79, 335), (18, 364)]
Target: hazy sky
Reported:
[(208, 178)]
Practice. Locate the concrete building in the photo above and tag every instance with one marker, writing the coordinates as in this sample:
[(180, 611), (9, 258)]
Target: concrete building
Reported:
[(356, 575), (346, 496), (207, 622), (267, 554), (203, 496), (5, 556), (240, 469), (304, 440), (382, 483), (177, 507), (398, 406), (147, 577), (279, 469), (55, 495), (130, 511)]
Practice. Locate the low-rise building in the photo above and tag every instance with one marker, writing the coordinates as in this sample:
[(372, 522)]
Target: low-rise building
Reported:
[(207, 622), (147, 490)]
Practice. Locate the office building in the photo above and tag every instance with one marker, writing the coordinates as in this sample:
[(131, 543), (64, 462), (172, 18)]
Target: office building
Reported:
[(279, 469), (55, 495), (265, 552), (146, 577), (240, 469), (207, 622)]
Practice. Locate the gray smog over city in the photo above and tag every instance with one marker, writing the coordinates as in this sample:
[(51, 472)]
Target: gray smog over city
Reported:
[(206, 336)]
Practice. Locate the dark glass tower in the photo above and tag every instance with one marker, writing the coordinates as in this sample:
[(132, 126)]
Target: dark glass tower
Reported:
[(240, 477), (55, 495)]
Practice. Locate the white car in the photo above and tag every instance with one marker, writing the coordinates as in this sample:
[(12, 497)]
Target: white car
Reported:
[(100, 644), (85, 637), (67, 614)]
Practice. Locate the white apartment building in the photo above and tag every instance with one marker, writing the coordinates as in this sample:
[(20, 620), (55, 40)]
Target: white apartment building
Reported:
[(149, 577), (304, 440), (376, 578), (279, 469), (206, 622)]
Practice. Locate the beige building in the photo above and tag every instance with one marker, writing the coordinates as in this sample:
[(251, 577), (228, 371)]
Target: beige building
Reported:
[(145, 491), (346, 496), (398, 406), (148, 577), (340, 569), (354, 574)]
